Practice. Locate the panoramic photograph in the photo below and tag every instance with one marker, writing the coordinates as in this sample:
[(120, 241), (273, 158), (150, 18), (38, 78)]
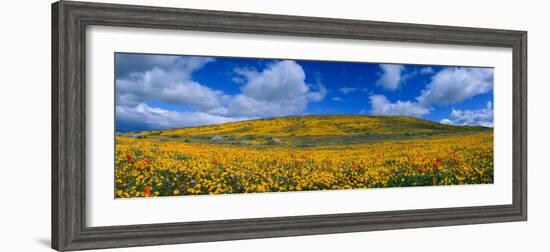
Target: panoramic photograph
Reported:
[(199, 125)]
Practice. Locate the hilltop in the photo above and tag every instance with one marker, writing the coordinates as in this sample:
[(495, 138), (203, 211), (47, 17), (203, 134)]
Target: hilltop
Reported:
[(312, 129)]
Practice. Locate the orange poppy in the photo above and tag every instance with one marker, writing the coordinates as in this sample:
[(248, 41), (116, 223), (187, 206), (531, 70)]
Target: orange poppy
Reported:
[(147, 191)]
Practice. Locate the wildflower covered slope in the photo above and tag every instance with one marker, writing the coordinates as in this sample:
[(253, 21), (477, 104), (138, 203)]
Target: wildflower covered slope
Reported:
[(313, 152)]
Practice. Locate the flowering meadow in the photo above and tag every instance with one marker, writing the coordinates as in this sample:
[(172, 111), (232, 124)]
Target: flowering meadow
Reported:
[(160, 164)]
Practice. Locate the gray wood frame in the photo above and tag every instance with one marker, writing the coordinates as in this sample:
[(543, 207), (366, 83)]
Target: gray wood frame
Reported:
[(69, 20)]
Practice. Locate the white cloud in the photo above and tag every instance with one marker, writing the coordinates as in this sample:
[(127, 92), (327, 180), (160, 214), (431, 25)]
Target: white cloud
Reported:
[(127, 64), (336, 98), (318, 95), (281, 80), (456, 84), (391, 76), (451, 85), (427, 70), (156, 118), (242, 105), (168, 80), (171, 87), (347, 90), (279, 90), (382, 106), (479, 117), (247, 72)]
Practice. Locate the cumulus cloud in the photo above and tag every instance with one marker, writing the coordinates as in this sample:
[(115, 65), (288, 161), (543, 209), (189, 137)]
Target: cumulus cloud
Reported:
[(145, 117), (479, 117), (278, 90), (391, 76), (456, 84), (382, 106), (451, 85), (165, 78), (281, 80), (168, 86), (127, 64)]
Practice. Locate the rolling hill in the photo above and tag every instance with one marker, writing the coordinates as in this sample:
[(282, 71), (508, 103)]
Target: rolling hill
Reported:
[(310, 130)]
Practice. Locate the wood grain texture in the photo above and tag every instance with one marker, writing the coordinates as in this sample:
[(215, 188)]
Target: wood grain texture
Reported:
[(69, 21)]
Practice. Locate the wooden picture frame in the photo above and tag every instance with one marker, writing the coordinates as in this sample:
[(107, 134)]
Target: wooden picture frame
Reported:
[(69, 20)]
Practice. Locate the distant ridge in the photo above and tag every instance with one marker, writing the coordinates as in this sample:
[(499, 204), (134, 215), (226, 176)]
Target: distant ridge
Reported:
[(321, 125)]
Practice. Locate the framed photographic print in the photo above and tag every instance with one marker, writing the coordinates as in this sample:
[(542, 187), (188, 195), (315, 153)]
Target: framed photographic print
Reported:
[(177, 125)]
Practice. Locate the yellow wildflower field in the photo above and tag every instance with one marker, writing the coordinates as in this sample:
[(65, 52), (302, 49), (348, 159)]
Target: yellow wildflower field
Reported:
[(159, 164)]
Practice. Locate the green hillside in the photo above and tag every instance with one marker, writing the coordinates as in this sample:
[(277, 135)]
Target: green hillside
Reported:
[(311, 130)]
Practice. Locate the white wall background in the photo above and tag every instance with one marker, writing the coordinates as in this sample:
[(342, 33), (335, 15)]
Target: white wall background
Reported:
[(25, 124)]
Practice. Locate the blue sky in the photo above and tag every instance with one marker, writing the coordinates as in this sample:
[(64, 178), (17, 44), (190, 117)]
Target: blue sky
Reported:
[(167, 91)]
